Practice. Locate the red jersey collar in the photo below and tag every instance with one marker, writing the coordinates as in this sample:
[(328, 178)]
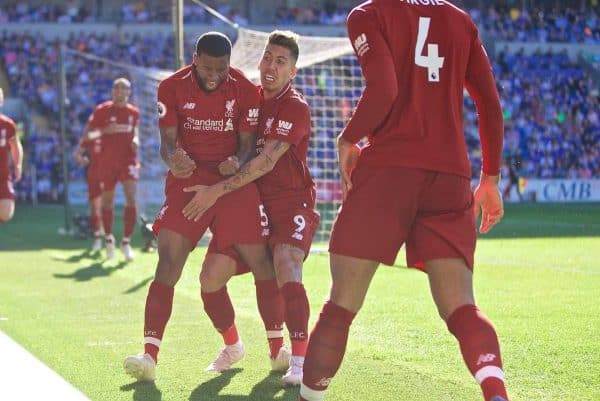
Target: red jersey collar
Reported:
[(280, 95)]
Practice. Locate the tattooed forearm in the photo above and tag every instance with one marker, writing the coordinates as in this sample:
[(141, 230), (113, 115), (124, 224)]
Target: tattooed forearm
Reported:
[(256, 167), (168, 143)]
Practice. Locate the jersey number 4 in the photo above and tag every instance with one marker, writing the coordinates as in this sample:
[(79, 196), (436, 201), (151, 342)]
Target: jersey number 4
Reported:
[(431, 61)]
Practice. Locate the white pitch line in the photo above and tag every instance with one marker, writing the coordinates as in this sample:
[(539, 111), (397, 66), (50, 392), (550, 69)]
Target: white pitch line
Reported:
[(24, 377)]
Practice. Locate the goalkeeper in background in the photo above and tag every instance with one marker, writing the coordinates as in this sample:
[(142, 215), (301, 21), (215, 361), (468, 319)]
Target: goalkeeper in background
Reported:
[(285, 185), (9, 144), (411, 183)]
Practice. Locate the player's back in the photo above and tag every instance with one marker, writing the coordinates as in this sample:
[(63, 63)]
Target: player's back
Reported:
[(429, 42)]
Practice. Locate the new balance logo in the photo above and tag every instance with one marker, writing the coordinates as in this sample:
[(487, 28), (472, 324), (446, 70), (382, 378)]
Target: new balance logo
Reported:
[(361, 45), (285, 125), (485, 358), (324, 382), (252, 113), (189, 106)]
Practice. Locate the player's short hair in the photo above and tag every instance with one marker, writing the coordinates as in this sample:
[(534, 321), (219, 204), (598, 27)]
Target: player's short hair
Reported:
[(287, 39), (214, 44), (122, 81)]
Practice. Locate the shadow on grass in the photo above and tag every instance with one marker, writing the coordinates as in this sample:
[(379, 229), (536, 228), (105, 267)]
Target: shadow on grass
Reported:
[(141, 284), (92, 271), (86, 254), (266, 389), (143, 391)]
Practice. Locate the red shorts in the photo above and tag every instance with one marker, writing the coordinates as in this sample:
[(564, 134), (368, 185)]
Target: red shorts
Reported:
[(234, 219), (431, 212), (240, 266), (6, 189), (112, 173), (292, 221), (94, 185)]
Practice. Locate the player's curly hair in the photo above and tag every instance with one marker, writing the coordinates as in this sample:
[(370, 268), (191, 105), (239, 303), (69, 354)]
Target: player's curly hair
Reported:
[(287, 39), (213, 43)]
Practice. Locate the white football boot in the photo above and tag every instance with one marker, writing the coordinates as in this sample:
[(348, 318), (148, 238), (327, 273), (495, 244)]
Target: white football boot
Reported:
[(282, 362), (97, 244), (141, 367), (228, 355), (293, 376), (127, 250), (110, 246)]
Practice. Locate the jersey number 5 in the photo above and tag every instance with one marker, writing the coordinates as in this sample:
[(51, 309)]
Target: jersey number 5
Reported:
[(432, 62)]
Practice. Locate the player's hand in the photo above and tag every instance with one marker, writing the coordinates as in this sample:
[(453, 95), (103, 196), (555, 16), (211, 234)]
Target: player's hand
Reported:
[(17, 173), (347, 158), (488, 199), (204, 198), (229, 166), (180, 164), (82, 160)]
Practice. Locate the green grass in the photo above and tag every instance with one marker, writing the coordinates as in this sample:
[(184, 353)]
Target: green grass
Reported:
[(537, 278)]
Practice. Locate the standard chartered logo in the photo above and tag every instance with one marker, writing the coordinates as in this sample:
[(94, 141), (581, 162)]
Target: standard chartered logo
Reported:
[(208, 124)]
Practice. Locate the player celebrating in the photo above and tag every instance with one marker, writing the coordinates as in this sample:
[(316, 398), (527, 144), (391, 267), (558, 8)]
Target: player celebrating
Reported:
[(286, 187), (86, 155), (117, 122), (9, 143), (205, 110), (411, 184)]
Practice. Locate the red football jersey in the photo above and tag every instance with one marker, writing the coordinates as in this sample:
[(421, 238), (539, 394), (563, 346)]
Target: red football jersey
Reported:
[(118, 126), (208, 122), (7, 131), (286, 118), (417, 56), (93, 148)]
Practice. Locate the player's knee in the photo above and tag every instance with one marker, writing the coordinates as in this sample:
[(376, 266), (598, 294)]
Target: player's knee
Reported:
[(5, 215), (212, 278), (168, 270)]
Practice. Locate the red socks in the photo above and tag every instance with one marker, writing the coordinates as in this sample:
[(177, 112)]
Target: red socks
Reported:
[(159, 304), (327, 346), (107, 220), (220, 311), (297, 312), (480, 349), (129, 215), (271, 308)]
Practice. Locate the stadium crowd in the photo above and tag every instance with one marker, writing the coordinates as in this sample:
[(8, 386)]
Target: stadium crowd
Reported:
[(550, 102), (538, 22)]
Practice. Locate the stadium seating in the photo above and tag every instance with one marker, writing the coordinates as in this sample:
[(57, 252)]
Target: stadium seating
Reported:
[(550, 105)]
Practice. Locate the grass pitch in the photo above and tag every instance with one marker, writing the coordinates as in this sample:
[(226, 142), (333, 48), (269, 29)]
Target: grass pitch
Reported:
[(537, 277)]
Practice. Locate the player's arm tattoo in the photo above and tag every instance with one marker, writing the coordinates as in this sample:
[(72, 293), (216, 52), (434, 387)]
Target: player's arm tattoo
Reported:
[(257, 167), (246, 147), (168, 143)]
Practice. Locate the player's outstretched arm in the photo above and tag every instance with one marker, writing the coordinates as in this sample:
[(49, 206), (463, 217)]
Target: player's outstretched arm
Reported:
[(16, 150), (206, 196), (178, 161)]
